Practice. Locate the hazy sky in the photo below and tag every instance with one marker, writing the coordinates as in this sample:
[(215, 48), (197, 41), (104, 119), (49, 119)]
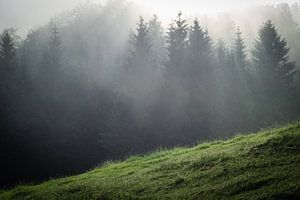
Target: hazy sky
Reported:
[(204, 6), (26, 14)]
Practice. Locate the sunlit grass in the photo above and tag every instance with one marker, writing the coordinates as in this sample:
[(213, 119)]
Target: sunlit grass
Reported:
[(257, 166)]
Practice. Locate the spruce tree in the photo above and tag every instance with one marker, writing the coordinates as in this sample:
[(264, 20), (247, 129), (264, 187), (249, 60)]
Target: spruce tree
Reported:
[(199, 79), (9, 89), (51, 72), (271, 58), (199, 52), (140, 49), (177, 44), (157, 41), (7, 52), (275, 74), (9, 71), (240, 51), (53, 58), (141, 71)]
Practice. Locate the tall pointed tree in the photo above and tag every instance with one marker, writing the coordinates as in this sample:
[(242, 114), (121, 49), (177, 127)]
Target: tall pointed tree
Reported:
[(177, 44), (199, 52), (50, 75), (271, 58), (53, 52), (276, 74), (199, 79), (7, 51), (141, 70), (140, 48), (9, 89), (158, 43), (240, 51), (8, 61), (10, 74)]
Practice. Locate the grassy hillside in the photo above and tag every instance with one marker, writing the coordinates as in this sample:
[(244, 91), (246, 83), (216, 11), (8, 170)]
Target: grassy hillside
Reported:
[(258, 166)]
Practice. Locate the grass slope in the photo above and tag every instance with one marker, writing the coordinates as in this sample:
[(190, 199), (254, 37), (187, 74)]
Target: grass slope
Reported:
[(258, 166)]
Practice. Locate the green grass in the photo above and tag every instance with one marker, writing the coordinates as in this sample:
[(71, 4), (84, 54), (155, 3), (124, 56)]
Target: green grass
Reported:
[(265, 165)]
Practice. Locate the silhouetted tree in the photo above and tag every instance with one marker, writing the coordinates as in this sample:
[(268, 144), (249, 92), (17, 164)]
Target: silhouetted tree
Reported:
[(275, 73), (177, 44), (51, 69), (199, 78), (8, 62), (12, 120), (9, 77), (158, 43), (240, 51)]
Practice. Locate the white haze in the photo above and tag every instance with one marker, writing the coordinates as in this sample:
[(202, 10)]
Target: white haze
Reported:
[(28, 14), (169, 8)]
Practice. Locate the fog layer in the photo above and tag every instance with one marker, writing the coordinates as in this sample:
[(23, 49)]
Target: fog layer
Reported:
[(102, 82)]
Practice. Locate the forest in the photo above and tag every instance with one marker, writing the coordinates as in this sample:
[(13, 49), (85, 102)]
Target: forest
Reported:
[(103, 82)]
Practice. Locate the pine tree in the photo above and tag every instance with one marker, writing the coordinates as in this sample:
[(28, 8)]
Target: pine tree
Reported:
[(141, 74), (240, 51), (51, 72), (177, 44), (199, 79), (141, 40), (157, 41), (271, 59), (9, 68), (54, 51), (7, 52), (9, 86), (242, 83), (225, 65), (199, 52), (275, 75), (140, 48)]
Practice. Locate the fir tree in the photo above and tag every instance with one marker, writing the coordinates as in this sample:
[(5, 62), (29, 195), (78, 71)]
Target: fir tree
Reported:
[(140, 48), (9, 85), (157, 41), (199, 52), (9, 70), (274, 91), (51, 72), (271, 58), (7, 51), (199, 79), (240, 51), (177, 44), (141, 74)]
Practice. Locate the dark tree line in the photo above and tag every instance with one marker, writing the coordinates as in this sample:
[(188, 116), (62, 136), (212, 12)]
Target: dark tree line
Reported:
[(165, 90)]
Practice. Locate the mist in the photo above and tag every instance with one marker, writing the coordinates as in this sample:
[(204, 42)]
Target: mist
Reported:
[(28, 14), (85, 82)]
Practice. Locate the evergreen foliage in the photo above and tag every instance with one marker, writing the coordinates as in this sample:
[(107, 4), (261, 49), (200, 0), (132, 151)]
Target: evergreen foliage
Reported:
[(80, 91)]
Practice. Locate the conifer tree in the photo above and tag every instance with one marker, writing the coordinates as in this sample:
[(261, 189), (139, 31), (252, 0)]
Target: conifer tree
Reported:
[(240, 51), (53, 58), (9, 88), (157, 41), (140, 49), (141, 70), (51, 72), (8, 61), (7, 51), (274, 91), (199, 52), (199, 78), (177, 44), (9, 69), (271, 58), (141, 40)]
